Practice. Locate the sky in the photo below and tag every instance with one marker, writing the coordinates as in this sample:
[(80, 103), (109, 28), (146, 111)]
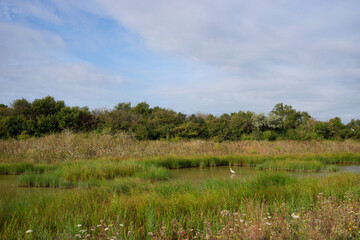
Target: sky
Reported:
[(208, 56)]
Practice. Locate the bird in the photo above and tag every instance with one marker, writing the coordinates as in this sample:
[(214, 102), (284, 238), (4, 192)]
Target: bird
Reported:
[(232, 171)]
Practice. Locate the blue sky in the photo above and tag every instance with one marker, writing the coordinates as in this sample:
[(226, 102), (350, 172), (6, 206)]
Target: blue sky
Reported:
[(191, 56)]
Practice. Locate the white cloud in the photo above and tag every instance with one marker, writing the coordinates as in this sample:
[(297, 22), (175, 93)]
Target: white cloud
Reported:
[(34, 64), (302, 53), (246, 55), (22, 45)]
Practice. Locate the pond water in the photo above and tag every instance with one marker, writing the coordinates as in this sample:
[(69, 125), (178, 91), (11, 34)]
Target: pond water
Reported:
[(9, 188), (197, 174)]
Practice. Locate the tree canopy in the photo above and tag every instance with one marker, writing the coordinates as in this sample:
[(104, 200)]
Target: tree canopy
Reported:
[(23, 119)]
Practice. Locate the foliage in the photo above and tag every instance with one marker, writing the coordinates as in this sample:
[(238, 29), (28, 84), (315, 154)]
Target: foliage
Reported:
[(24, 119)]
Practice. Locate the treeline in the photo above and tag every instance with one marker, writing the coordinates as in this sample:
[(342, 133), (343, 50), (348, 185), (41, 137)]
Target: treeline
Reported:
[(24, 119)]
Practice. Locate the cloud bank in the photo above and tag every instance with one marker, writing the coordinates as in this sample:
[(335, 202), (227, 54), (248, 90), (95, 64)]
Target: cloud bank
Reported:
[(209, 56)]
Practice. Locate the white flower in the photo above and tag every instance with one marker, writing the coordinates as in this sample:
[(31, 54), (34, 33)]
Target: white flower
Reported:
[(294, 216), (106, 229), (79, 225), (29, 231), (121, 225)]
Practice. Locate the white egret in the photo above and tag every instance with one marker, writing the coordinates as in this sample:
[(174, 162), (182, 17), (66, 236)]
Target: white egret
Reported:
[(232, 171)]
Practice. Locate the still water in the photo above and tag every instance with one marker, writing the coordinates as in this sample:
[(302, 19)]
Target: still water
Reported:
[(197, 174)]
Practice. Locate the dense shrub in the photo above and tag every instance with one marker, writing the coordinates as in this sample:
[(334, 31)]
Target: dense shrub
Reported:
[(25, 119)]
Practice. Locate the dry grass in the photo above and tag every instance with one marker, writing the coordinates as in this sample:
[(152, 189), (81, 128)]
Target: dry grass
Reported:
[(69, 146), (329, 219)]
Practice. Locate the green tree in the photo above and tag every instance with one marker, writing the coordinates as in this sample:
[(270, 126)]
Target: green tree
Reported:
[(46, 106), (21, 107), (141, 108)]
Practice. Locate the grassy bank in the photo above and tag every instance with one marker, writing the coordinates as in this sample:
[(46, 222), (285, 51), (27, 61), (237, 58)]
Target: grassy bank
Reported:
[(90, 173), (134, 208), (296, 165), (68, 147)]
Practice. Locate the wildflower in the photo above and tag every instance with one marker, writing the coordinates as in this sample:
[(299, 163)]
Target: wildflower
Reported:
[(106, 229), (29, 231), (79, 225), (294, 216), (78, 235), (241, 220), (121, 225)]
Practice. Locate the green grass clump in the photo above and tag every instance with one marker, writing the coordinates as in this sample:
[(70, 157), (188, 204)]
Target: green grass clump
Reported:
[(19, 168), (47, 179), (292, 165), (91, 173), (102, 169), (154, 173)]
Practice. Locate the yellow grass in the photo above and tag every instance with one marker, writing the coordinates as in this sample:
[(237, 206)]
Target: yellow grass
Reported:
[(69, 146)]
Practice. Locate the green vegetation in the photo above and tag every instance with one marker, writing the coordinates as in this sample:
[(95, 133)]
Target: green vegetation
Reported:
[(295, 165), (132, 208), (91, 173), (115, 185), (66, 146), (25, 119), (19, 168)]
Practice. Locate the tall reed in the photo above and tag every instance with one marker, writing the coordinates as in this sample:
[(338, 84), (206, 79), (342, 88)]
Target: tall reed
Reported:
[(69, 146)]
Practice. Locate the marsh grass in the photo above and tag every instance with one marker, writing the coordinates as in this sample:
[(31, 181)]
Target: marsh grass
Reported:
[(19, 168), (98, 169), (68, 146), (47, 179), (170, 211), (304, 162), (121, 188), (154, 173), (91, 173), (292, 165)]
